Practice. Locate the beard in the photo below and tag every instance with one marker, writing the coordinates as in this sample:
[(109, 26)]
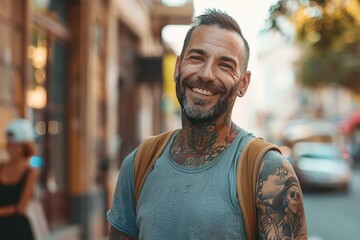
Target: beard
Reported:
[(197, 116)]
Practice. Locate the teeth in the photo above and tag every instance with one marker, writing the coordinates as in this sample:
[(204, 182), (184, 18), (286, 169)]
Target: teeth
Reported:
[(202, 91)]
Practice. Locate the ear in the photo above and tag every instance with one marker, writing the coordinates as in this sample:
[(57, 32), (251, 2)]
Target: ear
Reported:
[(177, 68), (244, 84)]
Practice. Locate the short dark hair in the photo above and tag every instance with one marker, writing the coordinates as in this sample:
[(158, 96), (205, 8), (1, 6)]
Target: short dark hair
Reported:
[(221, 19)]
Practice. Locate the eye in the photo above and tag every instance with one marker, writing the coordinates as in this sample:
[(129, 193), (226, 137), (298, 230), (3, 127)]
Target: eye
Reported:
[(292, 194), (226, 66), (195, 58)]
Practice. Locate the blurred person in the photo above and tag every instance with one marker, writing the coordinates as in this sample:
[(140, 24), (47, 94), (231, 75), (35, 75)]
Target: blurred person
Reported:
[(17, 181), (190, 193)]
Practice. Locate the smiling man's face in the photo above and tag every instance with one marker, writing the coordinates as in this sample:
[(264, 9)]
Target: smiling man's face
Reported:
[(211, 73)]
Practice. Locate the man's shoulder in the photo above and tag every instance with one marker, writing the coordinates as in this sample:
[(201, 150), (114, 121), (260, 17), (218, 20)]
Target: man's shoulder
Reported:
[(274, 155), (244, 137), (128, 161), (276, 160)]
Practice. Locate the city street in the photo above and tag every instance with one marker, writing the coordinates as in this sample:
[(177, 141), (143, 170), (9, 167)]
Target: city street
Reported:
[(334, 215)]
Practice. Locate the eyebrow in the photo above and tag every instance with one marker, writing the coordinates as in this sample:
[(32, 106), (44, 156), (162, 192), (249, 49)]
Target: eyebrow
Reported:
[(204, 53), (198, 51)]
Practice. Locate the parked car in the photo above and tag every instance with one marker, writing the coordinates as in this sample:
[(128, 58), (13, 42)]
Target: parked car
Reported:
[(316, 131), (320, 165), (310, 131)]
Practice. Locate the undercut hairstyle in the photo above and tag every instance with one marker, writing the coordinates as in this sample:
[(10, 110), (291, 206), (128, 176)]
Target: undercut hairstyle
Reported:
[(222, 20)]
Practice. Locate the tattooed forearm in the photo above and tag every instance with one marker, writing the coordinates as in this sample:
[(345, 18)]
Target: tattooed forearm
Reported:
[(118, 235), (280, 203)]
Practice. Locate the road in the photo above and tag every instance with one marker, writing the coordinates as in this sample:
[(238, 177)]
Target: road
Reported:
[(334, 215)]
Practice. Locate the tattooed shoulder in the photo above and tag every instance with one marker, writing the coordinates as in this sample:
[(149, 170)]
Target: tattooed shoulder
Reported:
[(280, 206)]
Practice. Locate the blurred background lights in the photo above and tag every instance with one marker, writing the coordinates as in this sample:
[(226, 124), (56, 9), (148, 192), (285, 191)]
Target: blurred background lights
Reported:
[(36, 97), (36, 161)]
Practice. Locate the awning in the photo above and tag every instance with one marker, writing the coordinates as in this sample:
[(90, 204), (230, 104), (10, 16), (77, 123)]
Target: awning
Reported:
[(351, 123)]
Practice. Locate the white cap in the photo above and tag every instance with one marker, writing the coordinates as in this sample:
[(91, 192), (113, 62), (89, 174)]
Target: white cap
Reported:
[(20, 130)]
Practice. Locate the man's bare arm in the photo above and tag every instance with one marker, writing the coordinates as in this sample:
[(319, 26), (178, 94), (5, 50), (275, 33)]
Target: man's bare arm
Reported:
[(118, 235), (280, 205)]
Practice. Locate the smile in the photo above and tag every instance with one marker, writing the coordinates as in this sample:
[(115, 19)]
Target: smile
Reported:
[(203, 91)]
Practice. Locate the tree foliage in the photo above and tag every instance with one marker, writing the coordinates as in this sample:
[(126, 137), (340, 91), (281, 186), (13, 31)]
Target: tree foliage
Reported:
[(329, 33)]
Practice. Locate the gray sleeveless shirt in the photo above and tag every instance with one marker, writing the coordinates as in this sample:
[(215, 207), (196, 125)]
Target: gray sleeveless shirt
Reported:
[(179, 202)]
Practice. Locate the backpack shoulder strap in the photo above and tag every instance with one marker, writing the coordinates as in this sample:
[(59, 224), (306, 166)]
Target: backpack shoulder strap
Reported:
[(246, 179), (149, 150)]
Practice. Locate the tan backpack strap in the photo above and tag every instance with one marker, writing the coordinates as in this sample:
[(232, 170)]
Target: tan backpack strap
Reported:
[(148, 152), (246, 179)]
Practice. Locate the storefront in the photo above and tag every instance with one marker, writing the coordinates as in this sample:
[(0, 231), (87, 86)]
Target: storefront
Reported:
[(46, 101), (79, 71)]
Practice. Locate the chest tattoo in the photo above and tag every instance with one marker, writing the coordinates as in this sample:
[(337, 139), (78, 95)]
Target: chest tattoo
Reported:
[(199, 150)]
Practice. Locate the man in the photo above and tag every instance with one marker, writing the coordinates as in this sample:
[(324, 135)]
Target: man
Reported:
[(191, 191)]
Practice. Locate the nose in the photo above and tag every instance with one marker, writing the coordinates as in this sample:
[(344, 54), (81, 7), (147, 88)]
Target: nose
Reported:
[(206, 72)]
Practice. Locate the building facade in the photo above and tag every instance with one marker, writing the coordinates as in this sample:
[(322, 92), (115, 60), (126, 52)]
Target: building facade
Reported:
[(88, 74)]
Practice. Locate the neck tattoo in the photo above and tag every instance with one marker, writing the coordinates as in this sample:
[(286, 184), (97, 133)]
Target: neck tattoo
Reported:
[(198, 147)]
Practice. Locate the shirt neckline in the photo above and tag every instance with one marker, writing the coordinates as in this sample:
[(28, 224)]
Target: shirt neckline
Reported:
[(213, 162)]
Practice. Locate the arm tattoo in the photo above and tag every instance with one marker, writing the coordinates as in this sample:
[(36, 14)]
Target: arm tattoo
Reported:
[(280, 205), (118, 235)]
